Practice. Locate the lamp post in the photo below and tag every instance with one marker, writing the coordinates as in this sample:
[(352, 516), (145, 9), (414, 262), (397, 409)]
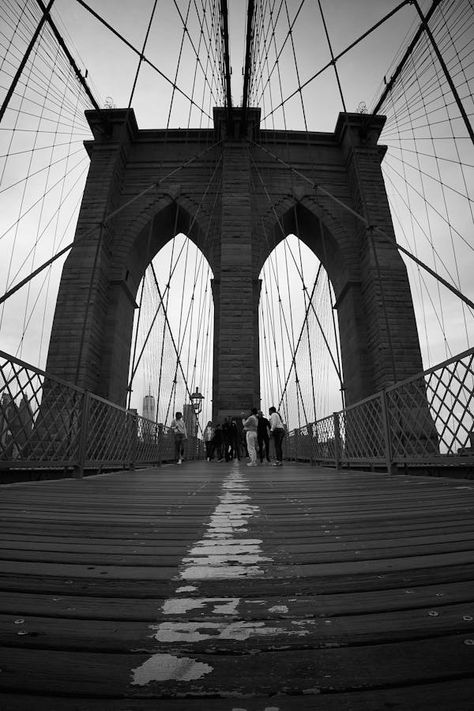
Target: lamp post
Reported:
[(196, 402)]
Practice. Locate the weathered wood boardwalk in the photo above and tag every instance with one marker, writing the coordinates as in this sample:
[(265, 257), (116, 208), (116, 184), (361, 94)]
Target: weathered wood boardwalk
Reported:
[(224, 587)]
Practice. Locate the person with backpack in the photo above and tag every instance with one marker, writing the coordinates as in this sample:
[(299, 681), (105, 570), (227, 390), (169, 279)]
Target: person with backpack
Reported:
[(180, 436)]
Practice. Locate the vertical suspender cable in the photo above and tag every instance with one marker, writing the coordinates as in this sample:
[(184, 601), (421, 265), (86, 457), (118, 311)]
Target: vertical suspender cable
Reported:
[(225, 32), (248, 56)]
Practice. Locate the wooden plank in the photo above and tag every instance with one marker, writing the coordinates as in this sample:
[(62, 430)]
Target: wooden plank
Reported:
[(200, 631), (23, 604), (157, 546), (423, 697), (290, 671)]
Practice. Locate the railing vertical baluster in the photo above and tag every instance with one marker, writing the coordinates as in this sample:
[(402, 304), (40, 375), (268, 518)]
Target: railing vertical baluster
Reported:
[(83, 435), (386, 432), (337, 440), (132, 421)]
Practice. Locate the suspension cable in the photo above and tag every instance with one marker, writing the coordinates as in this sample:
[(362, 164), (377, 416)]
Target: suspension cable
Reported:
[(105, 221), (23, 62), (318, 188), (145, 59)]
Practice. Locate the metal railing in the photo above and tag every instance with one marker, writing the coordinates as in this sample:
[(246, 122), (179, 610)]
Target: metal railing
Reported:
[(46, 423), (426, 420)]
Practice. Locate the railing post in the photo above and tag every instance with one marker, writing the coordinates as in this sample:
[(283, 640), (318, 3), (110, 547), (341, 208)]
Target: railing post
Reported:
[(337, 441), (160, 443), (132, 417), (386, 432), (83, 435)]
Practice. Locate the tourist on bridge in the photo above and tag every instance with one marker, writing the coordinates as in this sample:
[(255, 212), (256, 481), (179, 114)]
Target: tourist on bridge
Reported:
[(217, 444), (250, 428), (178, 427), (227, 439), (263, 437), (235, 440), (207, 436), (277, 431)]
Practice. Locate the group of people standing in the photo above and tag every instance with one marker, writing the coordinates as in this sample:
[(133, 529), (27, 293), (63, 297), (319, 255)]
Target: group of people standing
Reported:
[(231, 440), (252, 437), (258, 430)]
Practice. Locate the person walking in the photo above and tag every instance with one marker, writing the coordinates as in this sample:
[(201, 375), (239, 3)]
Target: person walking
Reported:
[(217, 443), (227, 437), (178, 427), (263, 437), (250, 428), (235, 440), (277, 431), (207, 436)]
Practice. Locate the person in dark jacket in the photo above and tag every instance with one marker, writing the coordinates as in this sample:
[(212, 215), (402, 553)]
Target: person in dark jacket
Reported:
[(263, 437), (218, 443)]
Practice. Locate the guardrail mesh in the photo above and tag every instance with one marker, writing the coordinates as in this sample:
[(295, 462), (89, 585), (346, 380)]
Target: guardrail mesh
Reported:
[(427, 419), (45, 422)]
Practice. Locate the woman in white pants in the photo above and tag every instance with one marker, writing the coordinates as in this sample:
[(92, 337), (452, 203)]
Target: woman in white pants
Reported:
[(250, 427)]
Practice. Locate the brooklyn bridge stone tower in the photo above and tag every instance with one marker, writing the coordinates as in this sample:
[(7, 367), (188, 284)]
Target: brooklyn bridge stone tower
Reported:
[(145, 186)]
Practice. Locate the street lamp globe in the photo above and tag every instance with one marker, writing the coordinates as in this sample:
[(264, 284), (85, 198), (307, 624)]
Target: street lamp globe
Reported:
[(196, 401)]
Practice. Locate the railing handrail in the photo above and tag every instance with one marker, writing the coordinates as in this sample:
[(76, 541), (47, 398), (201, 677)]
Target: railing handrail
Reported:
[(38, 371), (433, 369), (415, 426)]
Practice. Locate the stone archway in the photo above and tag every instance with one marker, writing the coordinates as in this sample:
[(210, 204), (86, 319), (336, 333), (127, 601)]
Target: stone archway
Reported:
[(109, 271), (154, 184), (377, 327)]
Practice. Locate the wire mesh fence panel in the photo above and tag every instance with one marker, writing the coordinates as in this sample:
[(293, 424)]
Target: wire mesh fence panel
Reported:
[(148, 442), (299, 444), (324, 440), (112, 434), (431, 417), (45, 422), (39, 417), (361, 432)]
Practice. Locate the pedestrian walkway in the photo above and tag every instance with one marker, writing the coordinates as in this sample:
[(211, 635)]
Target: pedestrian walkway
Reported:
[(228, 588)]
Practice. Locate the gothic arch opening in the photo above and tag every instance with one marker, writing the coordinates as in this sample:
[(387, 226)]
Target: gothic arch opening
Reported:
[(91, 342), (299, 345), (172, 340), (376, 326)]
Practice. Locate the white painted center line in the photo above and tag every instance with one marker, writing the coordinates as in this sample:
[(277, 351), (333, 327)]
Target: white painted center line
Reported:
[(224, 552)]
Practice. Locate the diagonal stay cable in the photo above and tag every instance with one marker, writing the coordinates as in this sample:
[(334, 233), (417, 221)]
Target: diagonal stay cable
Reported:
[(145, 59), (318, 188), (196, 54), (277, 58), (105, 221), (173, 267), (24, 60), (303, 326), (142, 54), (178, 358), (337, 58)]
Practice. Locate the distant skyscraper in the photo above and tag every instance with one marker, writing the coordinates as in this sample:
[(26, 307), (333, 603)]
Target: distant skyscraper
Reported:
[(149, 411)]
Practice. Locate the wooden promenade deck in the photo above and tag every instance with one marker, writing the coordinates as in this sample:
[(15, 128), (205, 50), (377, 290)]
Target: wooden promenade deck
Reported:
[(226, 588)]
